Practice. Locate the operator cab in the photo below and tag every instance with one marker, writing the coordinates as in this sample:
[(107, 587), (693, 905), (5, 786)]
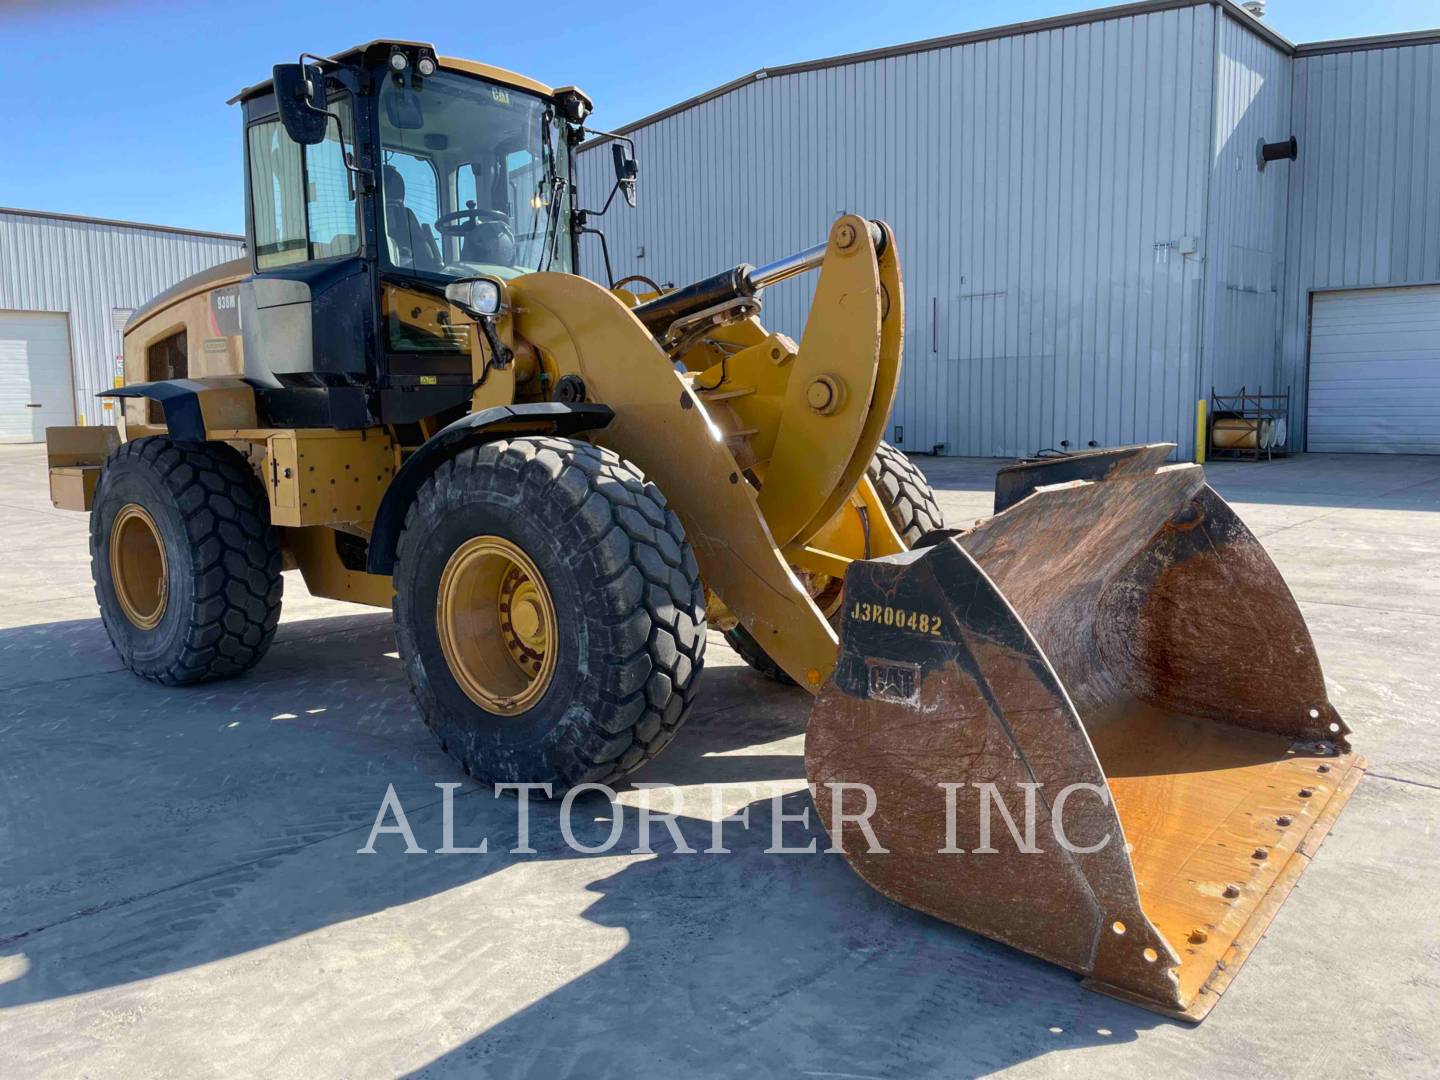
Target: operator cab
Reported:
[(475, 178), (375, 179)]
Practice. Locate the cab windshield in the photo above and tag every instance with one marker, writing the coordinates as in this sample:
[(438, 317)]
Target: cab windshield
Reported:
[(474, 178)]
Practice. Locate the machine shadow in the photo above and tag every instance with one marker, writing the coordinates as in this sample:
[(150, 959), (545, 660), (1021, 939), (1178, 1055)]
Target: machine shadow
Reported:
[(216, 822), (139, 822), (764, 963)]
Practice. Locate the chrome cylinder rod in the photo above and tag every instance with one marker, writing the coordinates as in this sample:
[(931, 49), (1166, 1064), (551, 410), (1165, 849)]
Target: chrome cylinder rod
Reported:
[(758, 277), (745, 280)]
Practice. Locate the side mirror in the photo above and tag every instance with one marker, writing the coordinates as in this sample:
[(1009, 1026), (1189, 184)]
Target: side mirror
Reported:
[(300, 97), (626, 171)]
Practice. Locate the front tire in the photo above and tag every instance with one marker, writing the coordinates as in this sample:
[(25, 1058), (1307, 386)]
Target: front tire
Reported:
[(549, 613), (185, 562)]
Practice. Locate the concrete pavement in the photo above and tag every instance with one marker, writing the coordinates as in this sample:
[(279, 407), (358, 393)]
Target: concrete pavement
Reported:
[(180, 889)]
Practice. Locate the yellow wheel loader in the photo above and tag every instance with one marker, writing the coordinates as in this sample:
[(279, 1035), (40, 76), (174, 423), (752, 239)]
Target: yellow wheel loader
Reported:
[(406, 392)]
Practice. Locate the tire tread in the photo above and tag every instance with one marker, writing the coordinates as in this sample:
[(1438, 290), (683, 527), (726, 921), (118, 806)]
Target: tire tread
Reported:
[(235, 559), (645, 584), (907, 495)]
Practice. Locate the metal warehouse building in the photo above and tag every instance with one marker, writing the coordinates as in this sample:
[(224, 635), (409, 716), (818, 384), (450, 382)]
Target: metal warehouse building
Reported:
[(67, 285), (1089, 239)]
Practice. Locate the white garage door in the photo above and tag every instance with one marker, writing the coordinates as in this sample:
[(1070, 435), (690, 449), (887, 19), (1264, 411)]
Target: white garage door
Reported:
[(1375, 371), (34, 375)]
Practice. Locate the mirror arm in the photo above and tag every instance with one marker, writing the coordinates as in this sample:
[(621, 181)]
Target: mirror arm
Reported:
[(619, 184), (351, 169), (601, 212), (629, 142), (604, 244)]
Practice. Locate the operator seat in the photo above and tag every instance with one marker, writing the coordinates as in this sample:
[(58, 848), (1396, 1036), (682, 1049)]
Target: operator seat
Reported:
[(410, 243), (489, 243)]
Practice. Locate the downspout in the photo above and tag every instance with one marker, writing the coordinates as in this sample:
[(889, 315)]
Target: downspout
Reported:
[(1206, 293), (1283, 300)]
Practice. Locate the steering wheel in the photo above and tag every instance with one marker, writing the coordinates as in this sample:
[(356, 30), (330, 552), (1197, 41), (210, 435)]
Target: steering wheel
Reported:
[(460, 222)]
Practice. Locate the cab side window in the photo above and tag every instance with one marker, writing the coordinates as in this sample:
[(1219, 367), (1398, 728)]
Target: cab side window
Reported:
[(331, 204), (277, 187), (304, 207)]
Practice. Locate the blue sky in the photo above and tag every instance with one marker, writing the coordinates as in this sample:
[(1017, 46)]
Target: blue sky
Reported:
[(118, 109)]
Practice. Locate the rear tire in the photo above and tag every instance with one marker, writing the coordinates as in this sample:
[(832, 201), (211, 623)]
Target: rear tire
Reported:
[(185, 562), (618, 580), (910, 505)]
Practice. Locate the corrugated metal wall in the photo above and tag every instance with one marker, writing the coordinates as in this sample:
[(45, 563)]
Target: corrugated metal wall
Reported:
[(89, 270), (1365, 192), (1245, 246), (1041, 186)]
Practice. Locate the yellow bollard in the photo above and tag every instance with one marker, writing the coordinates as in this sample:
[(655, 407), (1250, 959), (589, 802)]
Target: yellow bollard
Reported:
[(1200, 432)]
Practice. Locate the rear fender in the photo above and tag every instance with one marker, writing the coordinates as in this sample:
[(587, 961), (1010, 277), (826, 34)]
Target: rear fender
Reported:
[(195, 407)]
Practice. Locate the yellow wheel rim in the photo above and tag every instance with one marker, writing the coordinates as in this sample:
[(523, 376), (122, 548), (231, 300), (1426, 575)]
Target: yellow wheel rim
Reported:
[(137, 566), (497, 625)]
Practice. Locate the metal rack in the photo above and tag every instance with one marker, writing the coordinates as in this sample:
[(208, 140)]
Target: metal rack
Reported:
[(1249, 427)]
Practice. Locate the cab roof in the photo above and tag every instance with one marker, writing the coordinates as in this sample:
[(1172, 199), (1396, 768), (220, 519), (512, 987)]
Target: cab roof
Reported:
[(447, 63)]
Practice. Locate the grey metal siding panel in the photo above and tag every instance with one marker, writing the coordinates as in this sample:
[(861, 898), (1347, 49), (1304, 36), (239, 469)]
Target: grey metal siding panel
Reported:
[(88, 269), (1363, 195), (1039, 186), (1375, 371), (1246, 241)]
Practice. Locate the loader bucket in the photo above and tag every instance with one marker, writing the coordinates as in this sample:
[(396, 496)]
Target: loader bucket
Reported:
[(1123, 648)]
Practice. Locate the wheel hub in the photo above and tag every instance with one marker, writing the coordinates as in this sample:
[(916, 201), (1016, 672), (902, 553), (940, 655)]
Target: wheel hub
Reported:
[(137, 566), (496, 624)]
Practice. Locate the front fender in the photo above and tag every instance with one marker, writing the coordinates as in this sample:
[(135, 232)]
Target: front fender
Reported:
[(487, 425)]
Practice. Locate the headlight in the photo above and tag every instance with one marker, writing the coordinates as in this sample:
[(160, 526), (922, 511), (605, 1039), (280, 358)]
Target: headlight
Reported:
[(480, 296)]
